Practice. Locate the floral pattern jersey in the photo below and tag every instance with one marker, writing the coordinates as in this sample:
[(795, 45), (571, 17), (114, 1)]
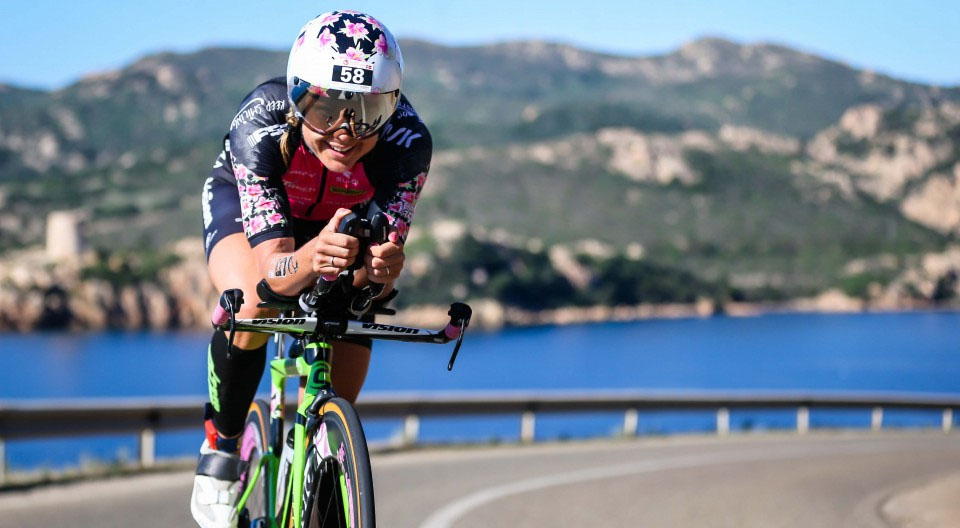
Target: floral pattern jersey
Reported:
[(297, 201)]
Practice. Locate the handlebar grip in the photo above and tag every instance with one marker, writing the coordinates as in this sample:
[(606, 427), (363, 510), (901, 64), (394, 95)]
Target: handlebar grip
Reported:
[(230, 302), (452, 332), (220, 317), (460, 314), (348, 224), (380, 227), (459, 320)]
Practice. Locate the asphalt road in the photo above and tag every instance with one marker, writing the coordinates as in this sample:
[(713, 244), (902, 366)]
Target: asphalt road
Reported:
[(818, 480)]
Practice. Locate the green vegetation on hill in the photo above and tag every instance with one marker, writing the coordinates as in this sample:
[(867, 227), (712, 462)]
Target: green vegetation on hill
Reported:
[(526, 279), (133, 147)]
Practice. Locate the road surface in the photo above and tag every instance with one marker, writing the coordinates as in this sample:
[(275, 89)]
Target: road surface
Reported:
[(840, 480)]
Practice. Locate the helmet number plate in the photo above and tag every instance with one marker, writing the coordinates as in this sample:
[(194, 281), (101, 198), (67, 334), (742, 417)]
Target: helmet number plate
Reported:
[(356, 75)]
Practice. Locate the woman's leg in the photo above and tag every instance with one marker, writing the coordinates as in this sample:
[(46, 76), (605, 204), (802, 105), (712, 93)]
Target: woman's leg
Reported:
[(349, 368), (234, 374)]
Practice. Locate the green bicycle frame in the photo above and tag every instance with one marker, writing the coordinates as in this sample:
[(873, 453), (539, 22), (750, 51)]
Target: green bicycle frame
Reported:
[(313, 333), (318, 387)]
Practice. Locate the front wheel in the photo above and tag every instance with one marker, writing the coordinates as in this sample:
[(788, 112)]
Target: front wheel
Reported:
[(338, 484)]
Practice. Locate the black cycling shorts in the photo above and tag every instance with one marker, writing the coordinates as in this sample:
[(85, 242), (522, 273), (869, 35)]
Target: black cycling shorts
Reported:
[(221, 212)]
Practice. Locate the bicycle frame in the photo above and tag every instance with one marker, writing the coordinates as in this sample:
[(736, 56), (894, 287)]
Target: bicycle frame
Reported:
[(314, 364)]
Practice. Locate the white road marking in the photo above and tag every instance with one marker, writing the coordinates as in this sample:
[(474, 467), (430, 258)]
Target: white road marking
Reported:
[(446, 516)]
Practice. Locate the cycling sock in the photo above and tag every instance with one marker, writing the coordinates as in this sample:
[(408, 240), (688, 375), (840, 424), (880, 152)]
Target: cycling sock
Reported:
[(233, 379), (214, 440)]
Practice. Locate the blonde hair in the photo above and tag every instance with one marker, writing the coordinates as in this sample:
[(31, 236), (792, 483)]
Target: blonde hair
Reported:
[(290, 140)]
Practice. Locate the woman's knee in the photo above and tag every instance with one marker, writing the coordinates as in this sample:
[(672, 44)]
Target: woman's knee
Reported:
[(349, 368), (232, 265)]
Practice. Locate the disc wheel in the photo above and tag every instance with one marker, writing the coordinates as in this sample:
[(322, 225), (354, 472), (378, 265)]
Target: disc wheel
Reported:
[(338, 484)]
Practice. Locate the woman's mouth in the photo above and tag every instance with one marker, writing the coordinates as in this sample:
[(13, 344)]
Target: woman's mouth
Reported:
[(340, 149)]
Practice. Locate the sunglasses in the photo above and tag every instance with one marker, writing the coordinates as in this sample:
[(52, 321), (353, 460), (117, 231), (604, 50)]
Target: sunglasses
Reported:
[(325, 111)]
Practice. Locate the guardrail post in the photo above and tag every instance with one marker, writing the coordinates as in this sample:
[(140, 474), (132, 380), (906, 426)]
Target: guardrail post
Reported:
[(528, 423), (3, 461), (876, 419), (947, 422), (148, 444), (723, 421), (803, 420), (411, 429), (630, 421)]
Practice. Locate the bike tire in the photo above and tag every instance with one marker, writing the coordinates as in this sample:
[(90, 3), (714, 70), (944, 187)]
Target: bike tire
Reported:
[(253, 446), (338, 483)]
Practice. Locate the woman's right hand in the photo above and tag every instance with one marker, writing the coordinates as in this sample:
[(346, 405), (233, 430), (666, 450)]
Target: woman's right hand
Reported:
[(334, 252)]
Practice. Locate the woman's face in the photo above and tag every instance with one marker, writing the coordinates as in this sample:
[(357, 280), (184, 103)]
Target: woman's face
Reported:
[(338, 151)]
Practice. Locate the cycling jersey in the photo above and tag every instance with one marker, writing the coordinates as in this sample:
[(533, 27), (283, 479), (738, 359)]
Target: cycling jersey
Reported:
[(252, 190)]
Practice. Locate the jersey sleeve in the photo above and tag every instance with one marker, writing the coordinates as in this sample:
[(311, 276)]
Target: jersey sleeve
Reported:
[(257, 162), (401, 161)]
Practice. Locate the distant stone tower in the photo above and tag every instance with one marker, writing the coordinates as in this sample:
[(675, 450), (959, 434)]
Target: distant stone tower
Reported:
[(65, 235)]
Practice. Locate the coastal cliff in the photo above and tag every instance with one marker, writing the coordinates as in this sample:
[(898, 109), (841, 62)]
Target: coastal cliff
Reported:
[(88, 292)]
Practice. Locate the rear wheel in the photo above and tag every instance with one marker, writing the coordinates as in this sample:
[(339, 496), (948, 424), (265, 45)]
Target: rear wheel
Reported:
[(253, 446), (338, 483)]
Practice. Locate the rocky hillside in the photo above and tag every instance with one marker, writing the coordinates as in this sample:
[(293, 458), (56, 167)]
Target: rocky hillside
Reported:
[(722, 171)]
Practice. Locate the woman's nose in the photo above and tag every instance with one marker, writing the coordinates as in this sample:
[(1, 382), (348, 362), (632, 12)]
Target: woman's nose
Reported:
[(343, 133)]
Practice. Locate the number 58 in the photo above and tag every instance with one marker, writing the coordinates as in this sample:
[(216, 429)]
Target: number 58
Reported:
[(354, 75)]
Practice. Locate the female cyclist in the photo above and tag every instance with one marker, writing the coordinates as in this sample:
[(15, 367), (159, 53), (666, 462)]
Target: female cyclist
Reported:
[(336, 135)]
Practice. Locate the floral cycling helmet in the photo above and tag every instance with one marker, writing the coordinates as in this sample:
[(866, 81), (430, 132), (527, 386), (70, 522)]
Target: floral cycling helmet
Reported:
[(345, 69)]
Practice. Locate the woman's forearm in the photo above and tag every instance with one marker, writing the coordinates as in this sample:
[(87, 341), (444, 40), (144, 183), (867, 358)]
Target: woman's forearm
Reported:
[(289, 272)]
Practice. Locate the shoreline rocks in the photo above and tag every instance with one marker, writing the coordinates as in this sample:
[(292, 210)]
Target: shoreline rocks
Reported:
[(37, 293)]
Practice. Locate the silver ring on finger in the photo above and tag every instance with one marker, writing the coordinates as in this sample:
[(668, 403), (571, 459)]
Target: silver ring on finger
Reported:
[(332, 265), (387, 270)]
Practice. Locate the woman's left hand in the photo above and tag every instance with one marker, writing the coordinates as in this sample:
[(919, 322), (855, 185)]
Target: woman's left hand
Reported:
[(384, 262)]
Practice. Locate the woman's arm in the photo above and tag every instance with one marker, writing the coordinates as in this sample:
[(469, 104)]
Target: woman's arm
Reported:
[(290, 271)]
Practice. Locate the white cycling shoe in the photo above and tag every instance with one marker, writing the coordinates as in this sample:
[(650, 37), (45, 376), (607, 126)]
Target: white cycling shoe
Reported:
[(216, 488)]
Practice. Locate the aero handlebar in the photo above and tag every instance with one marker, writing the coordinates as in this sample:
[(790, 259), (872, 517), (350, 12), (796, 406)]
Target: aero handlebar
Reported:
[(224, 318)]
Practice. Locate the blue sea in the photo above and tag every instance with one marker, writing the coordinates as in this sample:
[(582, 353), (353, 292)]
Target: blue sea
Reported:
[(914, 352)]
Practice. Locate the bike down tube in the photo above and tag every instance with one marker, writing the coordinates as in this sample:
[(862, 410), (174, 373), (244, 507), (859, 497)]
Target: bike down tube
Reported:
[(280, 370), (318, 385)]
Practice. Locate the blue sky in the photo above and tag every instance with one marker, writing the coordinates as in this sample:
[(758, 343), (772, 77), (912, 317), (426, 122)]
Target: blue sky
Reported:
[(48, 44)]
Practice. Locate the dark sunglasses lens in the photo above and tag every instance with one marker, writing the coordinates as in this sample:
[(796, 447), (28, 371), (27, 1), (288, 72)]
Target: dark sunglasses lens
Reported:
[(369, 111)]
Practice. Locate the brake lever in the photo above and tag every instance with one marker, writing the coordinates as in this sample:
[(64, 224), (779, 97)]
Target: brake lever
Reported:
[(233, 329), (230, 301), (456, 348), (460, 314)]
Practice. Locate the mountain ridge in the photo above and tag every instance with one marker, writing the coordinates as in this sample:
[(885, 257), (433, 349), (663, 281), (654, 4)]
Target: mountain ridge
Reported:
[(753, 171)]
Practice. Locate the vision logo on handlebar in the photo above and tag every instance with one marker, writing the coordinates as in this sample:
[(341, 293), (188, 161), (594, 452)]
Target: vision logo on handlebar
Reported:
[(283, 321), (390, 328)]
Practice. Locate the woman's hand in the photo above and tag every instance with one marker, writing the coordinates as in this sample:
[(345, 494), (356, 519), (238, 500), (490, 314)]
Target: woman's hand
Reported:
[(383, 262), (334, 252)]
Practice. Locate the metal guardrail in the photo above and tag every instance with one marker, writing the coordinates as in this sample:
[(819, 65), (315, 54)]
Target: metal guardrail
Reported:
[(65, 418)]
